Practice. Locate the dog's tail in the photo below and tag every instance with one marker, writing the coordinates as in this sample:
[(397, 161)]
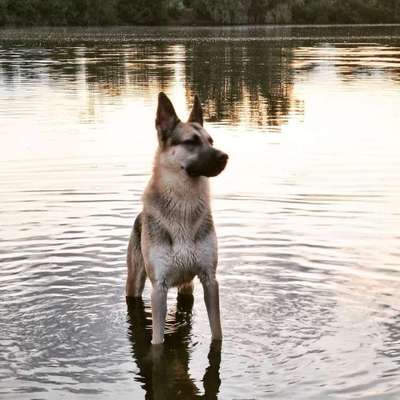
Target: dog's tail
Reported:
[(134, 259)]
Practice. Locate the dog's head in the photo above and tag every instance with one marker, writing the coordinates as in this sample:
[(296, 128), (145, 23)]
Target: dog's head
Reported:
[(186, 146)]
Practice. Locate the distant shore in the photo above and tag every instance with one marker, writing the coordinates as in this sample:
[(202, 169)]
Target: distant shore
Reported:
[(24, 13), (125, 35)]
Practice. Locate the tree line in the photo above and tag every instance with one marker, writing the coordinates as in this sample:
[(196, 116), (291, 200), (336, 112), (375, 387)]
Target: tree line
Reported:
[(147, 12), (298, 11), (83, 12)]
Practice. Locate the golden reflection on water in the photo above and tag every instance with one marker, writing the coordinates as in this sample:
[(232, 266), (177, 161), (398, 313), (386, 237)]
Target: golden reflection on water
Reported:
[(338, 104), (97, 105)]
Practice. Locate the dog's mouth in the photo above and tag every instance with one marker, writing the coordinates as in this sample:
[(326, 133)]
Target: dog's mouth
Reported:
[(193, 173)]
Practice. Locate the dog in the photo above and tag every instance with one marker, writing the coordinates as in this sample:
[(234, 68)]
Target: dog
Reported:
[(173, 239)]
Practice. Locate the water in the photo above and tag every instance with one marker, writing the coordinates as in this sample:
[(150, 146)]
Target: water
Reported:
[(307, 212)]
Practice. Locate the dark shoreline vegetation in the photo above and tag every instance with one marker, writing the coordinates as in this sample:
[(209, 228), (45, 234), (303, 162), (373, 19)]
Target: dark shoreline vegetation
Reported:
[(195, 12)]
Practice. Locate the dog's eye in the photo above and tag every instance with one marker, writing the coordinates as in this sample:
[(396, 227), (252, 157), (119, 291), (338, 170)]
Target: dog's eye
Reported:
[(192, 141)]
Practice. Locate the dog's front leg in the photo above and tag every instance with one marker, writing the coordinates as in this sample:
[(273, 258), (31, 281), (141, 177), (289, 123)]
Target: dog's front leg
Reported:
[(211, 298), (159, 311)]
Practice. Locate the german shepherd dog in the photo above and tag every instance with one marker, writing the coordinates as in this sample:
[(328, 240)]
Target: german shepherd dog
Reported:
[(173, 238)]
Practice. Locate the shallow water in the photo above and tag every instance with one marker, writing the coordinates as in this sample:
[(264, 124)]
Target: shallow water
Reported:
[(307, 212)]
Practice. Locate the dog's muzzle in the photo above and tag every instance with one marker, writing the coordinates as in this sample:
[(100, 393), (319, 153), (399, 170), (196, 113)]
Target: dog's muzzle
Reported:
[(209, 164)]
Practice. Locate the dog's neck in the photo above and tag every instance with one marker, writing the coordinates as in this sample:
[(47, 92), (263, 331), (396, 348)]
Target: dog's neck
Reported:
[(178, 185)]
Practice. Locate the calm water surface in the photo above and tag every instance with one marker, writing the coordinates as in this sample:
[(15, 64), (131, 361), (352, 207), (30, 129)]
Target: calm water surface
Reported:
[(307, 212)]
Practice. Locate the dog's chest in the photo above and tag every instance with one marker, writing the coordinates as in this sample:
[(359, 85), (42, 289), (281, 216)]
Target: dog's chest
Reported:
[(183, 249), (185, 255), (176, 250)]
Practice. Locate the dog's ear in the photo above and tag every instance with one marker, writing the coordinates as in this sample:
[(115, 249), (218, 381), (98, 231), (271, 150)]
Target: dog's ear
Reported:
[(166, 118), (197, 112)]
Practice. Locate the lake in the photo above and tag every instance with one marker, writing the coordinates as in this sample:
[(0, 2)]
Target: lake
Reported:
[(307, 212)]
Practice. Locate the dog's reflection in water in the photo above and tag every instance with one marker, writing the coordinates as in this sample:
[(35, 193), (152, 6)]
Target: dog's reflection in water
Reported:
[(164, 369)]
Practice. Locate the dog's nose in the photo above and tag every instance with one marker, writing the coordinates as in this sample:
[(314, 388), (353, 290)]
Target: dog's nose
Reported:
[(222, 157)]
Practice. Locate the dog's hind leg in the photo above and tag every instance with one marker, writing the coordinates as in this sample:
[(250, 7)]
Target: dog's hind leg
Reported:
[(185, 297), (136, 271), (186, 289)]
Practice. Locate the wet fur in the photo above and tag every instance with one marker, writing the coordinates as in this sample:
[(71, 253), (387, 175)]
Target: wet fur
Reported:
[(173, 238)]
